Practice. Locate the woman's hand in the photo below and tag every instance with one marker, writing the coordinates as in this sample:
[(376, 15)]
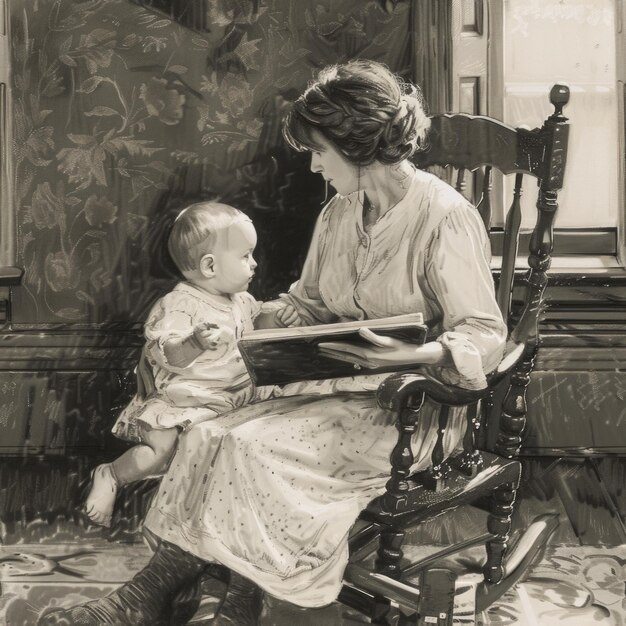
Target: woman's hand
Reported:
[(288, 316), (384, 352)]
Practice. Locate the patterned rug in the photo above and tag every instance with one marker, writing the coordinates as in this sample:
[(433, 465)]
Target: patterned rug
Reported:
[(572, 586)]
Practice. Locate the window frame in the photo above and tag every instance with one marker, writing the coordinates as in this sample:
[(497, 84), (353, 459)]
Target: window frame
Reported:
[(608, 244), (620, 48), (10, 274)]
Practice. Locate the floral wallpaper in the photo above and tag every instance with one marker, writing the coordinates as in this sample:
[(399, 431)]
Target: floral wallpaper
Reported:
[(120, 115)]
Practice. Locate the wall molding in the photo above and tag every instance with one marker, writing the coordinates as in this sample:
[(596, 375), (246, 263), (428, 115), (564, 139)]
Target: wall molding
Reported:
[(62, 388)]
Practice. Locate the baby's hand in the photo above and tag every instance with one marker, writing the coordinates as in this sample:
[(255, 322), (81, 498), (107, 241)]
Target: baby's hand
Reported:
[(208, 335), (288, 316)]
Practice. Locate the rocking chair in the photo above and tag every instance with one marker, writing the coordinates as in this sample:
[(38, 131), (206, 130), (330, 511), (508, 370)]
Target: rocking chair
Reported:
[(475, 144)]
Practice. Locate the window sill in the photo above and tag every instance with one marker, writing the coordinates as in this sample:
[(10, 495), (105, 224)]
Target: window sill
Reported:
[(570, 264), (575, 269), (582, 291)]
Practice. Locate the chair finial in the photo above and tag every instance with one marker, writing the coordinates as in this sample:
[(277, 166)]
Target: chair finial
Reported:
[(559, 97)]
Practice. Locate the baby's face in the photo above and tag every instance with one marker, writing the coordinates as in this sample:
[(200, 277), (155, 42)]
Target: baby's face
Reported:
[(234, 264)]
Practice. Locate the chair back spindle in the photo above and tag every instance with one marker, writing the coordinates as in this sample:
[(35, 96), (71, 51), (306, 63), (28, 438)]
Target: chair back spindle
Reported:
[(468, 142), (438, 471), (510, 247), (483, 206), (460, 181)]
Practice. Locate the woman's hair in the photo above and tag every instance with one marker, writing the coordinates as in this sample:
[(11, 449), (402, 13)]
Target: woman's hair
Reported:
[(366, 111), (196, 229)]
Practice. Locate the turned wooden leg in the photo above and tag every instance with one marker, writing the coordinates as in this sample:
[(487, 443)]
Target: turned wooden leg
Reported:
[(470, 462), (394, 500), (499, 525), (389, 552), (435, 477)]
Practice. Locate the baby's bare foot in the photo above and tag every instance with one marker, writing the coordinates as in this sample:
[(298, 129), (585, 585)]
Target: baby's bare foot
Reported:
[(99, 503)]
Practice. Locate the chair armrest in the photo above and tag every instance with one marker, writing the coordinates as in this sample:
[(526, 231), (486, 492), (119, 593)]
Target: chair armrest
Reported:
[(395, 392), (512, 355)]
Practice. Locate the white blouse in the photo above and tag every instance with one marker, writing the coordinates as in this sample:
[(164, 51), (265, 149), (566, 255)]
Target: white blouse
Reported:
[(429, 253)]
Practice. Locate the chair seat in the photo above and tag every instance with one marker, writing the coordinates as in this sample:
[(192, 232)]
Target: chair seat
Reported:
[(421, 503)]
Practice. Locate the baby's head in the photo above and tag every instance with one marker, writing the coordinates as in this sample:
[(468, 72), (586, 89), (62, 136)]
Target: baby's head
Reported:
[(212, 245)]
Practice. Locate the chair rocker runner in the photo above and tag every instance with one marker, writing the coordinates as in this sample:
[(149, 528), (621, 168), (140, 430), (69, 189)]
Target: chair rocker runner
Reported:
[(476, 144)]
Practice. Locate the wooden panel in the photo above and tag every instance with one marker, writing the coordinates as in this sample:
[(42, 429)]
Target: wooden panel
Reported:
[(60, 412), (70, 350), (469, 94), (576, 409), (60, 392), (579, 382), (472, 16), (469, 51)]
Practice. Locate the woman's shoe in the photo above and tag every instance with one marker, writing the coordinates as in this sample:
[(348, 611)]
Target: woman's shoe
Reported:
[(242, 604), (146, 600)]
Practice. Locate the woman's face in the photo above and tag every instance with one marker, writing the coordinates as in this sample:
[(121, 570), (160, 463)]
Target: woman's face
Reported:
[(333, 166)]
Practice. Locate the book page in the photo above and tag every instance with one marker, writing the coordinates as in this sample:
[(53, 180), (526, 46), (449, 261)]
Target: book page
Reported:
[(411, 319)]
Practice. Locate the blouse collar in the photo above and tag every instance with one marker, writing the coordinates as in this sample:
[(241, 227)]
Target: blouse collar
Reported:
[(357, 199)]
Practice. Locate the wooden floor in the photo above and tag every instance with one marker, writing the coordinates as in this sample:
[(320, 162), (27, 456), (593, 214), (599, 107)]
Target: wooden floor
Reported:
[(580, 581)]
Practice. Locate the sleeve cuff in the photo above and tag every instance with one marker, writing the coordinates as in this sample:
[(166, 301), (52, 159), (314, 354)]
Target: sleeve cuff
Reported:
[(467, 371)]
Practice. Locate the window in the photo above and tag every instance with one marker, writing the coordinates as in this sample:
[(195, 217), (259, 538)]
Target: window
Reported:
[(571, 41), (535, 43)]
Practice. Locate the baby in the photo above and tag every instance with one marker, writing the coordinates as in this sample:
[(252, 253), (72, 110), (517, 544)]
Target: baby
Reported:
[(191, 348)]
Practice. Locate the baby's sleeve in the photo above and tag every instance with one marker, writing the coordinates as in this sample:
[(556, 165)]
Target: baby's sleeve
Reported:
[(251, 305), (172, 317)]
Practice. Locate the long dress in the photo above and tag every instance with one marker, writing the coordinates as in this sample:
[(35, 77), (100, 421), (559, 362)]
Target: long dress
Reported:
[(271, 490)]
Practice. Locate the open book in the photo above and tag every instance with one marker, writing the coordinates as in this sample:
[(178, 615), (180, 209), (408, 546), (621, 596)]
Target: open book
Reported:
[(280, 355)]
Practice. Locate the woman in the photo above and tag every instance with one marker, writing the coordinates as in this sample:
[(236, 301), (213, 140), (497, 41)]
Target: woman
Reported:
[(274, 502)]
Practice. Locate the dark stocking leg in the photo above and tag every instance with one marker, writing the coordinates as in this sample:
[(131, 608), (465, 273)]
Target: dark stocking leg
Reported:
[(146, 600)]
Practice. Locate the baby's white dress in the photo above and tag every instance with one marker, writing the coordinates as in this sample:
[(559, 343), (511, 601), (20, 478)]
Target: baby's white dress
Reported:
[(216, 382)]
